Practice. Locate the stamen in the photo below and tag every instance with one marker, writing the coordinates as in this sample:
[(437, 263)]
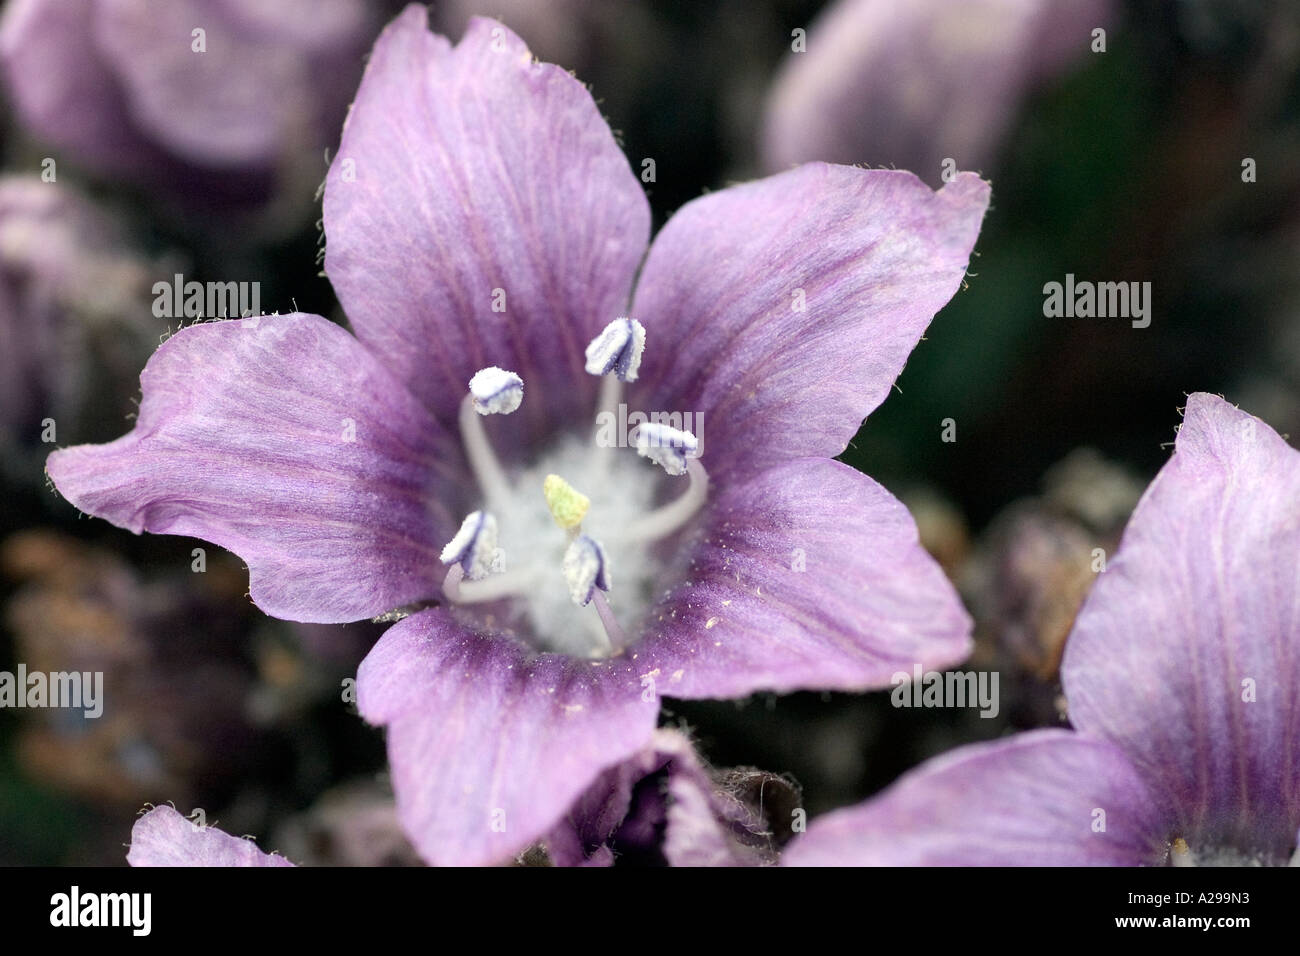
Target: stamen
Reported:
[(607, 402), (496, 391), (665, 446), (611, 393), (492, 391), (568, 505), (1180, 854), (477, 572), (474, 546), (617, 349), (663, 521), (508, 584), (585, 569), (675, 451)]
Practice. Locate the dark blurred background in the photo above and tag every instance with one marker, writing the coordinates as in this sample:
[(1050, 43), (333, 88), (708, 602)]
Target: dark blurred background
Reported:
[(1127, 164)]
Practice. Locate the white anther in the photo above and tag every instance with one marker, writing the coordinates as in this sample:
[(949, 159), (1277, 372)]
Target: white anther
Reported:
[(668, 447), (496, 391), (474, 546), (617, 349), (585, 569)]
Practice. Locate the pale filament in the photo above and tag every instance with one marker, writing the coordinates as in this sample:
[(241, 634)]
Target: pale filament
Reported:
[(483, 461), (493, 588), (665, 520), (611, 393)]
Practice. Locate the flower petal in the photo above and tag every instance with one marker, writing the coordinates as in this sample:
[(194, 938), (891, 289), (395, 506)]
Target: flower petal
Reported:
[(480, 213), (162, 837), (914, 84), (1029, 800), (490, 743), (665, 804), (283, 440), (809, 575), (1186, 653), (62, 88), (212, 107), (582, 836), (708, 822), (781, 311)]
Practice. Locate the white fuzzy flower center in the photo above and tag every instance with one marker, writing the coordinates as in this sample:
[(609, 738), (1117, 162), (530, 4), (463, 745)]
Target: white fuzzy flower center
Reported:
[(621, 488), (551, 539), (1182, 854)]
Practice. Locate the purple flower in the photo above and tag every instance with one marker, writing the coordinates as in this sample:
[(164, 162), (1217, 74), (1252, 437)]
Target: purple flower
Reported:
[(479, 214), (176, 94), (666, 805), (913, 84), (662, 804), (1182, 676), (162, 837)]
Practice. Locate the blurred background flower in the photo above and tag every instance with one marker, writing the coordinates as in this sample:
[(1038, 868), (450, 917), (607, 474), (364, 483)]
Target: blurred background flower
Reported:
[(212, 104), (914, 85)]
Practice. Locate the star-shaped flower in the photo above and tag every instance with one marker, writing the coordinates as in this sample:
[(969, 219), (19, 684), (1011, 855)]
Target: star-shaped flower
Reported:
[(1182, 676), (483, 235)]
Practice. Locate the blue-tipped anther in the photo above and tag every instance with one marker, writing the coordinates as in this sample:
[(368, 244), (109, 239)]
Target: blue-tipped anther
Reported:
[(666, 446), (617, 349), (474, 545), (585, 569), (496, 391)]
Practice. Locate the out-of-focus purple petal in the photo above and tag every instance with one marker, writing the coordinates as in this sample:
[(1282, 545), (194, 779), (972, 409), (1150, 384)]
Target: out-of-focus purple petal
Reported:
[(782, 310), (354, 824), (480, 213), (1186, 653), (283, 440), (62, 87), (910, 85), (162, 837), (489, 742), (131, 89), (316, 25), (1034, 799), (210, 107), (868, 602)]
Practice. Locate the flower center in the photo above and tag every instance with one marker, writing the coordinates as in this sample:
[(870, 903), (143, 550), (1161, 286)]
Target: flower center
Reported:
[(552, 540), (1181, 854)]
